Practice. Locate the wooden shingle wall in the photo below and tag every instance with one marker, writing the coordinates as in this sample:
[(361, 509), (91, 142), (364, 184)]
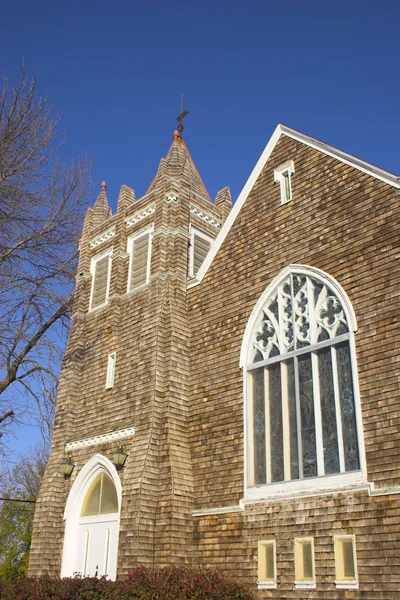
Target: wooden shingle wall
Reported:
[(346, 223)]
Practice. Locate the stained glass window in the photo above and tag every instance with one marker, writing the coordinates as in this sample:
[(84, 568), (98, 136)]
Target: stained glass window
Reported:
[(302, 404)]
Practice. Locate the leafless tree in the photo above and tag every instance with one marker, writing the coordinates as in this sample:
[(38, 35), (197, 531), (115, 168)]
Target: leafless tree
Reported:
[(41, 204)]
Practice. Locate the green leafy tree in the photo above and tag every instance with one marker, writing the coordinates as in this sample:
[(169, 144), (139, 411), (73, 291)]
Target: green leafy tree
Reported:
[(22, 482)]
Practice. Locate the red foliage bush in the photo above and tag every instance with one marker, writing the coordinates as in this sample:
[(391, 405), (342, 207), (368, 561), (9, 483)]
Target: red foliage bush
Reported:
[(144, 584)]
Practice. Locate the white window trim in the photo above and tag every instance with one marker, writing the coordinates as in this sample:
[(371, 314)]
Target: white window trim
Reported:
[(279, 175), (351, 584), (300, 583), (194, 231), (93, 263), (111, 364), (267, 584), (131, 240), (312, 485)]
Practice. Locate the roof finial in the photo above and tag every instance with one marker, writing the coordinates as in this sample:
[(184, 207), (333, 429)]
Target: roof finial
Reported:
[(103, 186), (180, 119)]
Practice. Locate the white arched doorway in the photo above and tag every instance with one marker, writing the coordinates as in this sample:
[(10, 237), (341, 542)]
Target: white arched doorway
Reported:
[(92, 521)]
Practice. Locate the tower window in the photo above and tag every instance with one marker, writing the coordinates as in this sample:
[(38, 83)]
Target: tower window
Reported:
[(100, 269), (200, 244), (139, 249), (283, 175)]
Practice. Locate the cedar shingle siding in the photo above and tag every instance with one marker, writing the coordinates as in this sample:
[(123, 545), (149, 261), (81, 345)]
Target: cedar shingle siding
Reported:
[(179, 383)]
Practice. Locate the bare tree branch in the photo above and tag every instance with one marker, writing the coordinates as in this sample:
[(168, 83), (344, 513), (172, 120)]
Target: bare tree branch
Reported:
[(42, 201)]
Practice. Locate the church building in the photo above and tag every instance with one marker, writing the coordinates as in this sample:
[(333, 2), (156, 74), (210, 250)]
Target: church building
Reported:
[(229, 395)]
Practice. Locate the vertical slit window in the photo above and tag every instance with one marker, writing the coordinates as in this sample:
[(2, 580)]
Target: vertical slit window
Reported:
[(112, 359)]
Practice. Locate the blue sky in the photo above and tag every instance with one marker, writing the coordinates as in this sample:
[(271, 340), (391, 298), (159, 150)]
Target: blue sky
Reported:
[(117, 71)]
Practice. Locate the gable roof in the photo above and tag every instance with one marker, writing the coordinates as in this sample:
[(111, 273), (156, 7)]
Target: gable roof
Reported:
[(280, 130)]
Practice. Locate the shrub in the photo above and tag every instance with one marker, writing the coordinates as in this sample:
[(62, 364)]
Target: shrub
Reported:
[(175, 583)]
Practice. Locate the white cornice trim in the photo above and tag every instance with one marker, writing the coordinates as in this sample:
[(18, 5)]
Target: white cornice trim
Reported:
[(222, 510), (102, 238), (204, 216), (104, 438), (170, 231), (280, 130), (140, 215)]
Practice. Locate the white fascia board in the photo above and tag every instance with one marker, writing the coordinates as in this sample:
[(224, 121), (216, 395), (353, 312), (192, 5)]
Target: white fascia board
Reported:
[(348, 159)]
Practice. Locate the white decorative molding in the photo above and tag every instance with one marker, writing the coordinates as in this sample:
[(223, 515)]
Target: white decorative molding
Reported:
[(172, 198), (102, 238), (141, 215), (120, 254), (221, 510), (201, 214), (104, 438), (385, 491), (171, 231)]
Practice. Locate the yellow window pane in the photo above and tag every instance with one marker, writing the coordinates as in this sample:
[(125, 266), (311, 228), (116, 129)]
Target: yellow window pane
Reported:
[(91, 503), (109, 499), (304, 563), (345, 559), (266, 561)]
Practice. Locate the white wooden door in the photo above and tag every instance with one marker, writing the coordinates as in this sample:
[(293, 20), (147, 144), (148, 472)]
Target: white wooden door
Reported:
[(97, 547)]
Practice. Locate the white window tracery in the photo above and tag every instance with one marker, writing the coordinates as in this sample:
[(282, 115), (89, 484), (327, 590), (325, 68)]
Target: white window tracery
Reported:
[(301, 400)]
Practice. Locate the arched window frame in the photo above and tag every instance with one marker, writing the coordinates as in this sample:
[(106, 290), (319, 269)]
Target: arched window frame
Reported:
[(96, 465), (317, 484)]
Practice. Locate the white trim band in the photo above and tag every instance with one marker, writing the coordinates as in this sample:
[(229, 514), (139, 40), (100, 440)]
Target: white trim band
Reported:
[(104, 438), (104, 237), (142, 214), (201, 214)]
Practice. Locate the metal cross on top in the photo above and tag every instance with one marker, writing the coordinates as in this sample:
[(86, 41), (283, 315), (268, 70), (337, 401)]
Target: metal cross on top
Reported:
[(180, 118)]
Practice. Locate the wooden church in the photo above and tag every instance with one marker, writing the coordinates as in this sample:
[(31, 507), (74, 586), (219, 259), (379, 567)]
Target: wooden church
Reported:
[(230, 391)]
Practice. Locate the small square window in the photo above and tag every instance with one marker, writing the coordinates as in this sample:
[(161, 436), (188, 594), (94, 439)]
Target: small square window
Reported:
[(112, 359), (283, 174), (345, 562), (266, 564), (304, 563)]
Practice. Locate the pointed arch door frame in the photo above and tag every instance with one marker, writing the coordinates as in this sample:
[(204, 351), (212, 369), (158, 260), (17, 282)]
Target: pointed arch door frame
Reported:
[(95, 466)]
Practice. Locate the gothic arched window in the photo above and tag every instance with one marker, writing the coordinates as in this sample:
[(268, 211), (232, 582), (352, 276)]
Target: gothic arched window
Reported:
[(302, 412)]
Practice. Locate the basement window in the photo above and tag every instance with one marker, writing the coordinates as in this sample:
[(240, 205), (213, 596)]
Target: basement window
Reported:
[(112, 359), (283, 175), (266, 565), (345, 562), (304, 563)]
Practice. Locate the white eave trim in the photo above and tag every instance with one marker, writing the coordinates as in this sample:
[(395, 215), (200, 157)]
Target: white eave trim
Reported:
[(104, 438), (280, 130)]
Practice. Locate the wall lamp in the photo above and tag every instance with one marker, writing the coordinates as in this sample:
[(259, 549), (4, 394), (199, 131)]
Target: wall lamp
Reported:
[(66, 467), (119, 457)]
